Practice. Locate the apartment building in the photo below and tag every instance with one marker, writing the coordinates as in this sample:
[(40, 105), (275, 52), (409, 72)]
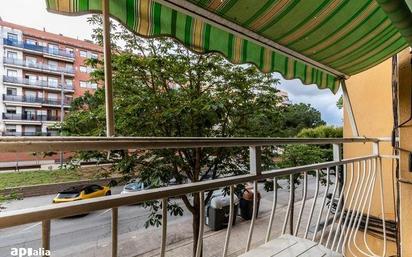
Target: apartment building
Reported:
[(40, 74)]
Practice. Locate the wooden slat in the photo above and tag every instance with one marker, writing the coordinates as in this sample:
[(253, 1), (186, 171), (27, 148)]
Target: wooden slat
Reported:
[(272, 247), (291, 246), (302, 246)]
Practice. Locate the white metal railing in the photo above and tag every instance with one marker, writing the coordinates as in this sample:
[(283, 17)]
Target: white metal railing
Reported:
[(335, 225)]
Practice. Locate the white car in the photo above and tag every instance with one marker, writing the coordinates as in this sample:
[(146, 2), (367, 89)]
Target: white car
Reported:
[(134, 185)]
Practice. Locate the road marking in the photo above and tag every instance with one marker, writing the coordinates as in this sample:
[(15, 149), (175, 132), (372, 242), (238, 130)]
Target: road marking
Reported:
[(104, 212), (30, 227)]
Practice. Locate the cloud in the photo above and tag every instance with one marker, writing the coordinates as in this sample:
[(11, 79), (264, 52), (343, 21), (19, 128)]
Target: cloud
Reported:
[(34, 14), (321, 99)]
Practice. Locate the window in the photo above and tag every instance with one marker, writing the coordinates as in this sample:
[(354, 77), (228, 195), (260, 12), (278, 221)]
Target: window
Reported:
[(93, 56), (12, 36), (52, 65), (11, 110), (83, 69), (30, 94), (29, 114), (11, 91), (12, 73), (11, 128), (69, 67), (11, 55), (53, 82), (70, 51), (31, 41), (52, 96), (31, 129), (53, 48), (32, 78), (85, 84), (83, 53), (69, 83), (31, 60)]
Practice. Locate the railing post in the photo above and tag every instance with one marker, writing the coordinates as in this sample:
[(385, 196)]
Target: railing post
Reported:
[(199, 249), (115, 215), (164, 227), (45, 232), (255, 155), (375, 148), (255, 162), (337, 156)]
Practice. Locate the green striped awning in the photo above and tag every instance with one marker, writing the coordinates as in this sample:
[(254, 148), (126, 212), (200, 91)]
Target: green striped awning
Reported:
[(316, 41)]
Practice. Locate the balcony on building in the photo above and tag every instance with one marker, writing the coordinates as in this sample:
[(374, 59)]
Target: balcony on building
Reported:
[(48, 52), (36, 100), (39, 84), (28, 133), (35, 66), (30, 117)]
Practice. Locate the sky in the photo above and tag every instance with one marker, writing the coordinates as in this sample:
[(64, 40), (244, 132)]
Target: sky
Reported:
[(33, 13)]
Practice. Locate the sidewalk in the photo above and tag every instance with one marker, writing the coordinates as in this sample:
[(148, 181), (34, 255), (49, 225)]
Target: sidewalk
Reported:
[(146, 243)]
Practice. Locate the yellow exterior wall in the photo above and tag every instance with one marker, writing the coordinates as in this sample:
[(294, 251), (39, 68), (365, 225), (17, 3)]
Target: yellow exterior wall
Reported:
[(405, 137), (370, 93)]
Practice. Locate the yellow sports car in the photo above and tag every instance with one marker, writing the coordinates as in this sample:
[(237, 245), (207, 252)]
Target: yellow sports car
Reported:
[(81, 192)]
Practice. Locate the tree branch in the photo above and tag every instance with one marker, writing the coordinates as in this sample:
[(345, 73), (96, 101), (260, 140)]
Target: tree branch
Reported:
[(186, 201)]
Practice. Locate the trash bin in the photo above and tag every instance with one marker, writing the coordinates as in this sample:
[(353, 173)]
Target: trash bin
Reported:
[(246, 203), (217, 212)]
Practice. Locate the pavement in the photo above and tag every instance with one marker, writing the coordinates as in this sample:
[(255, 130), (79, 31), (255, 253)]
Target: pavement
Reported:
[(90, 235)]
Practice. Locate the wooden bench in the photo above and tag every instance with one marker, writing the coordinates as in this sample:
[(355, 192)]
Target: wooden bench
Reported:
[(291, 246)]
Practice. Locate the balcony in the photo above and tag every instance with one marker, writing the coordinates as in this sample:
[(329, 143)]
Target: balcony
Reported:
[(35, 100), (29, 117), (39, 67), (61, 54), (36, 83), (28, 134), (327, 220)]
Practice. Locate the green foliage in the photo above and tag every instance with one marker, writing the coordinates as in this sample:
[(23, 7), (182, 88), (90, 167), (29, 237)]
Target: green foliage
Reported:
[(339, 103), (321, 132), (298, 117), (299, 155), (164, 90), (26, 178)]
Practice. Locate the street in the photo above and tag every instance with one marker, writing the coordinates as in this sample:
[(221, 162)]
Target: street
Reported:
[(75, 234)]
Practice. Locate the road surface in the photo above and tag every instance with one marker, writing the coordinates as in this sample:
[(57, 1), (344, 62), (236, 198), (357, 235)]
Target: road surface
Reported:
[(71, 234)]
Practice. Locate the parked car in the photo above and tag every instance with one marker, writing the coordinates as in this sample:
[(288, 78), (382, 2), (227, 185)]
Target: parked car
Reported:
[(134, 185), (81, 192)]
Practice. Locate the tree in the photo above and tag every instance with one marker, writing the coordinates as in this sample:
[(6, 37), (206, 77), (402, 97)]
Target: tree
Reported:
[(162, 89), (298, 117), (339, 103), (299, 155)]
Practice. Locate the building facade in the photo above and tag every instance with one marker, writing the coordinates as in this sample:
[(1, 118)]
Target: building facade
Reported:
[(40, 74)]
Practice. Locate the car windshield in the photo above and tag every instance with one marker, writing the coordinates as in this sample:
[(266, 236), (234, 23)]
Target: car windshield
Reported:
[(134, 186), (67, 195)]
